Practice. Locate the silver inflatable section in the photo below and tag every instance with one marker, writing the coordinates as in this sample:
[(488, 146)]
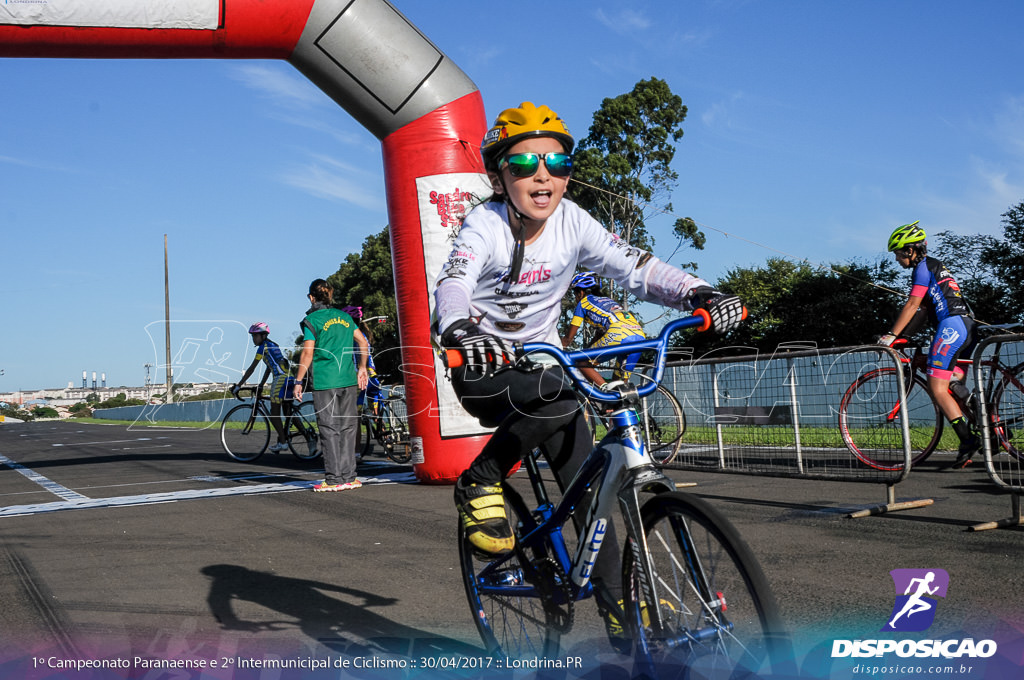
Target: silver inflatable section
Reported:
[(376, 64)]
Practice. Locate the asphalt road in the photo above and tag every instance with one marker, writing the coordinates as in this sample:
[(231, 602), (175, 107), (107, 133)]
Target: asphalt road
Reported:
[(124, 542)]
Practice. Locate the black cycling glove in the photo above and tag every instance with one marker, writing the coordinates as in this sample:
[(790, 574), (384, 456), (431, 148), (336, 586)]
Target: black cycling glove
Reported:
[(726, 311), (480, 350)]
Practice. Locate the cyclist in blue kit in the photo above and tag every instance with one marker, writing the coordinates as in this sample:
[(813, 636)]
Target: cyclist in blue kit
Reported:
[(612, 325), (269, 352), (934, 289)]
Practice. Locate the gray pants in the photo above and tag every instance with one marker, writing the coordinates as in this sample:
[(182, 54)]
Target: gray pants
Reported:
[(337, 418)]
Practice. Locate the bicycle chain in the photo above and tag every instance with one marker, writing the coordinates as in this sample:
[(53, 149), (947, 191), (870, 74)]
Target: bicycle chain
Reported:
[(553, 581)]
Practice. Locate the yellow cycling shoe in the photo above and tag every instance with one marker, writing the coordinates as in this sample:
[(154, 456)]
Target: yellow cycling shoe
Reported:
[(617, 635), (482, 513)]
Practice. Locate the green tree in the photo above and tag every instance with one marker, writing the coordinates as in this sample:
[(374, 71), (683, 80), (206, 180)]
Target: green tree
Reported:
[(978, 277), (623, 167), (80, 410), (1006, 257), (846, 304), (366, 279), (121, 399), (12, 411), (44, 412)]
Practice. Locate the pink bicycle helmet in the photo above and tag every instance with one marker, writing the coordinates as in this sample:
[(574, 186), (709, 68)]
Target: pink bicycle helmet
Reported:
[(259, 327), (355, 312)]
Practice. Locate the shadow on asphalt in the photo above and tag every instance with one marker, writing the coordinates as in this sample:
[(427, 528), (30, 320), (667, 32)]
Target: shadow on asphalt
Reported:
[(322, 611)]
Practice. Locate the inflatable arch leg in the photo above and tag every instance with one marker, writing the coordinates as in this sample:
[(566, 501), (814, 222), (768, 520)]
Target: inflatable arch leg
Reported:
[(371, 60)]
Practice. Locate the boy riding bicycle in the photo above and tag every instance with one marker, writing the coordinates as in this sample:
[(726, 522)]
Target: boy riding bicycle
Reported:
[(270, 353), (612, 324), (508, 270), (934, 290)]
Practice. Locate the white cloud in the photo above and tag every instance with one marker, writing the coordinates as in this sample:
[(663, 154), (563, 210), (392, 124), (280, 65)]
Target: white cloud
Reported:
[(1008, 125), (35, 165), (286, 88), (721, 113), (334, 180), (624, 21)]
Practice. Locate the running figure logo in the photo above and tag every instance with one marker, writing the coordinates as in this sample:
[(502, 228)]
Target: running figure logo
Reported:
[(916, 593)]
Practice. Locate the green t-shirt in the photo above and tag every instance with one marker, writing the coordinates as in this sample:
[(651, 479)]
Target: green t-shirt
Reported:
[(334, 333)]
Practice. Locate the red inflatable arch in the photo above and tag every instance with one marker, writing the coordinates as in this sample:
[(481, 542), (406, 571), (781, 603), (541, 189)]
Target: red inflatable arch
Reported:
[(373, 62)]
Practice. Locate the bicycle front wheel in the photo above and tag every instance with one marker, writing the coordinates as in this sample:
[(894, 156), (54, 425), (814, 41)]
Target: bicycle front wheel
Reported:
[(303, 432), (717, 614), (1007, 417), (663, 421), (872, 426), (508, 610), (241, 439)]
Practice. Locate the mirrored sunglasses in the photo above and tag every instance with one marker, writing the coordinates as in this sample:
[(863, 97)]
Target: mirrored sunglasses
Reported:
[(527, 164)]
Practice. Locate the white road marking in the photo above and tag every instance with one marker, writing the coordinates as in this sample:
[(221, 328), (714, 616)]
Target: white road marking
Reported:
[(76, 501), (48, 484), (111, 441)]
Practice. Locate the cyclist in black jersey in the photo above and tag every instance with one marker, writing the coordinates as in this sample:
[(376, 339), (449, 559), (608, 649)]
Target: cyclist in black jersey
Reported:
[(934, 290)]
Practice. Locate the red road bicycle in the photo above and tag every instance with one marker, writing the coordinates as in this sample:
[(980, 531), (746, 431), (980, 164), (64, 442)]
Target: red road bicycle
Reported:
[(869, 413)]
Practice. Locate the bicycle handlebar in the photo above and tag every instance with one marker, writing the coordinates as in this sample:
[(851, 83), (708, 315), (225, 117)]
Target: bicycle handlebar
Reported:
[(700, 320), (245, 388)]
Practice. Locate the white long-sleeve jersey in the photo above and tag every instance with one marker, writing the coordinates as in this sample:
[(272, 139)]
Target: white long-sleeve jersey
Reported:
[(474, 280)]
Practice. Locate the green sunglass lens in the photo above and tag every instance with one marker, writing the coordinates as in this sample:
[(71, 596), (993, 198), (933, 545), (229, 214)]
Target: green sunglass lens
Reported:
[(559, 164), (526, 164), (523, 164)]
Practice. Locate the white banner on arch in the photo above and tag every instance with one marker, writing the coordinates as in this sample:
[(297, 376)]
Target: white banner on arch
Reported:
[(187, 14)]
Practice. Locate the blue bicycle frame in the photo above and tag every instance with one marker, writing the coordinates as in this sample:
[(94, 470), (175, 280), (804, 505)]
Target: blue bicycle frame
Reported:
[(619, 468)]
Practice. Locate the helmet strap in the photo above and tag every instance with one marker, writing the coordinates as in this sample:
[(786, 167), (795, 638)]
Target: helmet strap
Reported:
[(519, 247)]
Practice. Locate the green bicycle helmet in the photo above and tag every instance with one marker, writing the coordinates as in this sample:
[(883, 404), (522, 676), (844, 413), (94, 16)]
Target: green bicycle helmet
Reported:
[(907, 235)]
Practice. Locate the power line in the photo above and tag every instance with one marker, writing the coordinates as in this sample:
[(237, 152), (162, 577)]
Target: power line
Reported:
[(745, 240), (758, 244)]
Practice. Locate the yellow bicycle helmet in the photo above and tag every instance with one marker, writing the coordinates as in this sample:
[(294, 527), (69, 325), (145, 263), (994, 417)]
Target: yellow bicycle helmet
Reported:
[(513, 125), (906, 235)]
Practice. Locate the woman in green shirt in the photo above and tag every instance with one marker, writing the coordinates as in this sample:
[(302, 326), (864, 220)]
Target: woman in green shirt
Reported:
[(329, 337)]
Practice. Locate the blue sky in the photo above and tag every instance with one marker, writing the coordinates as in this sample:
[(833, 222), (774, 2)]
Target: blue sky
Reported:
[(814, 129)]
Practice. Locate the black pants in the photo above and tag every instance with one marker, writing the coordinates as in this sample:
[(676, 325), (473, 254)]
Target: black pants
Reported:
[(534, 409)]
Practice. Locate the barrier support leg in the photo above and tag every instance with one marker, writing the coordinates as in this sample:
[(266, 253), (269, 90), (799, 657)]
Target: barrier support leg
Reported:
[(891, 504), (1016, 520)]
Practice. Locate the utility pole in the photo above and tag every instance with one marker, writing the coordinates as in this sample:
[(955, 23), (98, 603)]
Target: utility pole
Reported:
[(167, 328)]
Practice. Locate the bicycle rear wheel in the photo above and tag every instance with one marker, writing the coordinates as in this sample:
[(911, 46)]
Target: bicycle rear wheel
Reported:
[(718, 616), (663, 421), (241, 440), (396, 432), (303, 432), (871, 423), (508, 610), (1007, 416)]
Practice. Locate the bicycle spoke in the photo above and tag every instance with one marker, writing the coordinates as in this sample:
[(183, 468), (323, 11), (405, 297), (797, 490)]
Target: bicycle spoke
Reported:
[(714, 607)]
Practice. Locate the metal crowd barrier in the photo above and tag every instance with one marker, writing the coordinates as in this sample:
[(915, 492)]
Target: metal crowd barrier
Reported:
[(999, 371), (779, 415)]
